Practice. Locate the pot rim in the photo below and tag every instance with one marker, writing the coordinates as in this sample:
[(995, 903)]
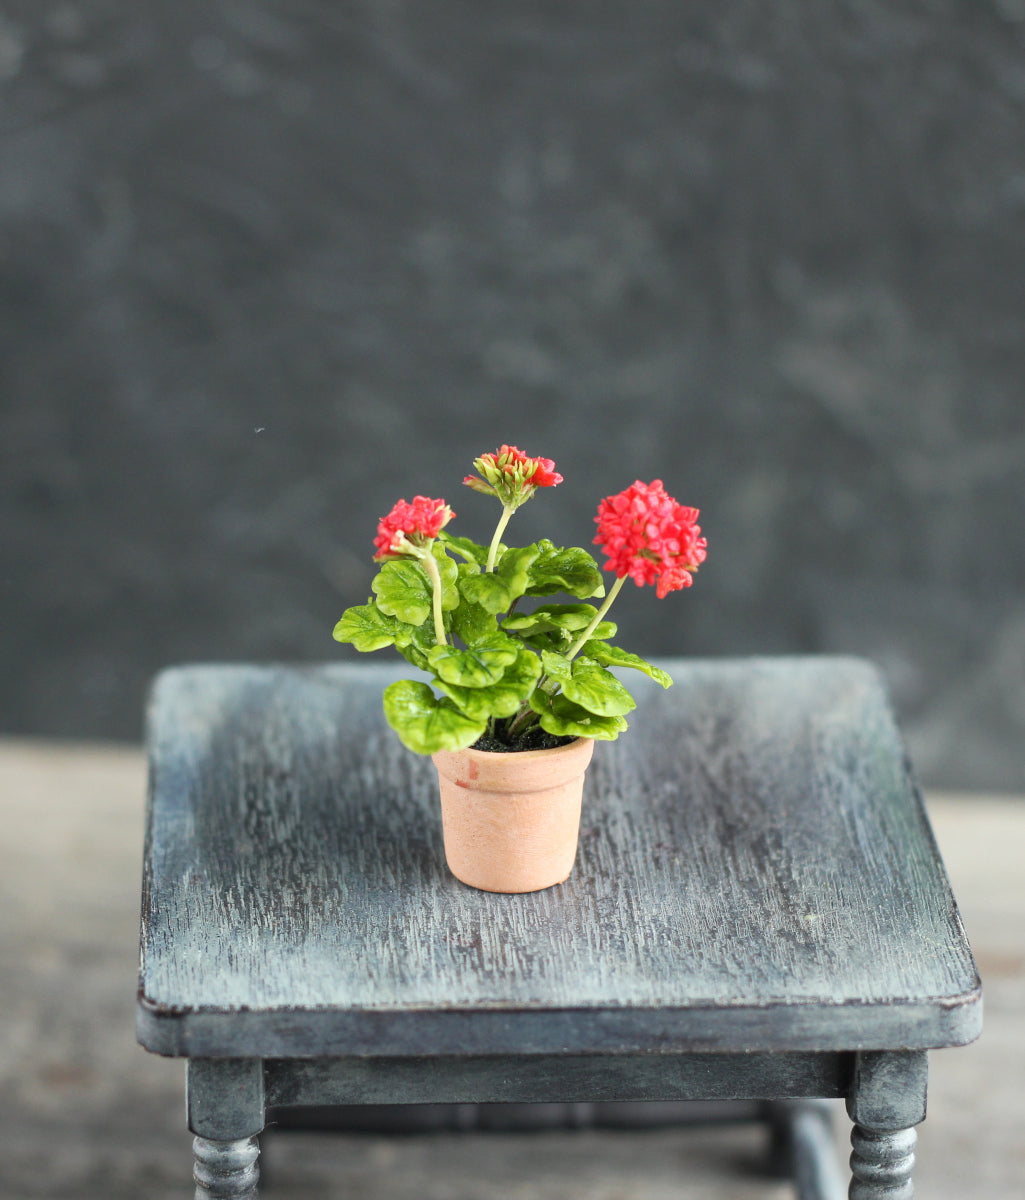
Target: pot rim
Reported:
[(517, 770), (519, 754)]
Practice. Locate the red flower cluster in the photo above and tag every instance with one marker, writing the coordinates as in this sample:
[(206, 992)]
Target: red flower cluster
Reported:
[(512, 475), (651, 538), (409, 527)]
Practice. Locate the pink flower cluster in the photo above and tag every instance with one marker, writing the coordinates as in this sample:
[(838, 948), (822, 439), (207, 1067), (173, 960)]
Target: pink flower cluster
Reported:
[(408, 527), (647, 535)]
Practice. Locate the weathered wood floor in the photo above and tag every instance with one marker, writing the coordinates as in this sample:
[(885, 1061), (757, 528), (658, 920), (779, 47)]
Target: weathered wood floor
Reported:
[(88, 1114)]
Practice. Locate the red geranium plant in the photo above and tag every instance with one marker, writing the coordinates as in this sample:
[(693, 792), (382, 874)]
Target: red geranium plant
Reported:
[(510, 679)]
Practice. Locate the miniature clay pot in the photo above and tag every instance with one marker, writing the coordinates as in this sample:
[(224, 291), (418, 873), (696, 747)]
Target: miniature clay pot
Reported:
[(511, 820)]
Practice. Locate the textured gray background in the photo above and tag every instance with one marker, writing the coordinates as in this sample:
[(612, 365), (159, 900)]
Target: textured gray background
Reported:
[(265, 267)]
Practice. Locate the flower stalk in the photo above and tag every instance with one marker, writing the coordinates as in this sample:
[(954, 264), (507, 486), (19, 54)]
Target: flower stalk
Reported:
[(431, 567), (507, 512), (599, 616)]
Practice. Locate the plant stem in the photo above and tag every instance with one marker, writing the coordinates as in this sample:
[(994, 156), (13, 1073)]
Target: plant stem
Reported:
[(431, 567), (598, 616), (520, 719), (503, 520)]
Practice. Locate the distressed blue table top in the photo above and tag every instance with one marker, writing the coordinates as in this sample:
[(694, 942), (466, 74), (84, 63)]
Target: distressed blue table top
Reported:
[(756, 872)]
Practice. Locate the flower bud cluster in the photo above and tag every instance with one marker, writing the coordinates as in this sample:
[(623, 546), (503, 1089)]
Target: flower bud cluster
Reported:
[(511, 475)]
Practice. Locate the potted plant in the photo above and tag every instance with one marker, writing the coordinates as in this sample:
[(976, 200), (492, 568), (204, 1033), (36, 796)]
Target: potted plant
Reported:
[(518, 695)]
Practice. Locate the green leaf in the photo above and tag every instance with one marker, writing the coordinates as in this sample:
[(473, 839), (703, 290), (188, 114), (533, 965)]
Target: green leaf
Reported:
[(563, 718), (414, 642), (501, 699), (471, 551), (473, 624), (555, 641), (557, 666), (597, 690), (571, 570), (425, 724), (477, 703), (404, 591), (546, 617), (514, 568), (366, 627), (612, 656), (479, 666), (490, 591), (558, 639), (525, 671), (413, 654), (589, 685), (497, 590)]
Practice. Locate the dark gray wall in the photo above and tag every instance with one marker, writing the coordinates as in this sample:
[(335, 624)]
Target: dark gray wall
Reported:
[(266, 267)]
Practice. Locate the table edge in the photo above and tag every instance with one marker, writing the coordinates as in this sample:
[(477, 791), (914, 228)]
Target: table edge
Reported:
[(318, 1032)]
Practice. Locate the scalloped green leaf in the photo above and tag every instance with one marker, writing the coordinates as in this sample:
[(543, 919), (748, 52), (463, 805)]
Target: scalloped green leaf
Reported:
[(404, 591), (603, 630), (560, 716), (556, 666), (554, 641), (612, 656), (413, 654), (570, 569), (478, 666), (473, 624), (490, 591), (498, 590), (546, 617), (479, 703), (597, 690), (501, 699), (426, 724), (514, 568), (366, 628), (414, 642), (525, 671), (462, 546), (524, 624)]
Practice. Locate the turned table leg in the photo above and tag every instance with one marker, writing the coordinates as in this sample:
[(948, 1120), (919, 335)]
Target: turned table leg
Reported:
[(887, 1100), (226, 1112), (881, 1164), (225, 1170)]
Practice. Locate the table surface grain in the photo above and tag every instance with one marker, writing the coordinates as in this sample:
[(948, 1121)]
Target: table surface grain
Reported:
[(756, 873)]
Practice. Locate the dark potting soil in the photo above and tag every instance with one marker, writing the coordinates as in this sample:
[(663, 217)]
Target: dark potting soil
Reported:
[(534, 738)]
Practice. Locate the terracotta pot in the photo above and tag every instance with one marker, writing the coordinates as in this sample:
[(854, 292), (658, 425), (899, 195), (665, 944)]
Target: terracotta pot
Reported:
[(511, 821)]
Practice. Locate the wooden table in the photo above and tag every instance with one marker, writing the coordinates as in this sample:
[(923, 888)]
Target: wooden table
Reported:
[(758, 911)]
